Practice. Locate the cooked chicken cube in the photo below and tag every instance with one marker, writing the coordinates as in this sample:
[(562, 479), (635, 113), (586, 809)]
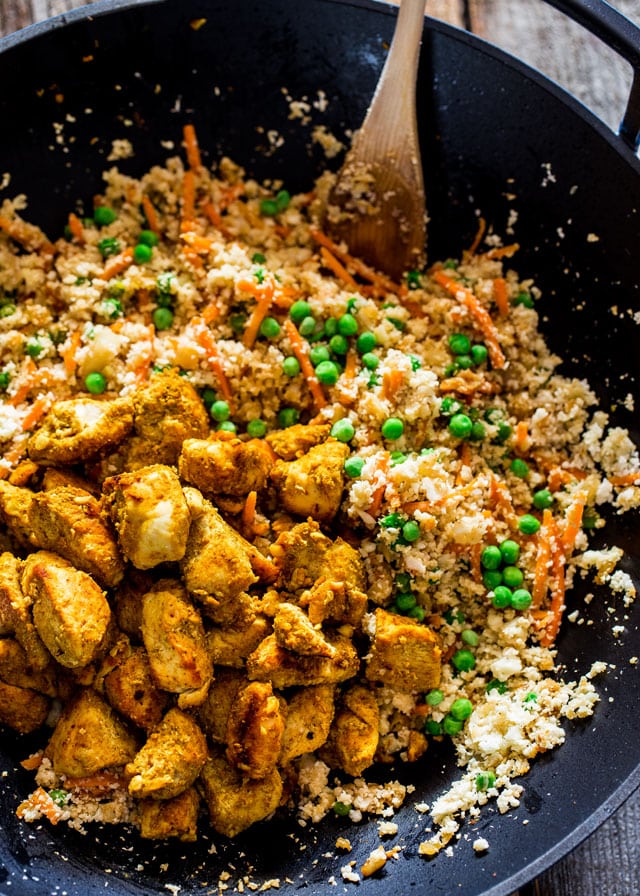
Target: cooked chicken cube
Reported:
[(70, 611), (132, 691), (226, 466), (15, 512), (309, 716), (213, 714), (312, 485), (58, 477), (235, 802), (93, 547), (334, 602), (231, 646), (174, 639), (217, 561), (270, 662), (15, 613), (354, 734), (299, 555), (294, 631), (170, 760), (89, 737), (22, 709), (405, 654), (254, 730), (177, 817), (296, 440), (79, 428), (16, 669), (127, 602), (150, 514), (343, 563)]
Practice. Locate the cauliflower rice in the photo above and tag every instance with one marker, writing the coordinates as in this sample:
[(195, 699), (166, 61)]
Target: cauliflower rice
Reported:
[(459, 433)]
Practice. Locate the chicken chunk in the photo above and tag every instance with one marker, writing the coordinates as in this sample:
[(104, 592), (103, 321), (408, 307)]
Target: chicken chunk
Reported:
[(335, 602), (299, 554), (170, 760), (309, 716), (213, 714), (227, 467), (217, 561), (150, 515), (127, 602), (15, 512), (79, 428), (174, 639), (234, 802), (405, 654), (15, 613), (93, 548), (22, 709), (89, 737), (254, 730), (271, 662), (296, 440), (131, 689), (16, 669), (70, 611), (312, 485), (177, 817), (353, 738), (295, 632), (231, 646)]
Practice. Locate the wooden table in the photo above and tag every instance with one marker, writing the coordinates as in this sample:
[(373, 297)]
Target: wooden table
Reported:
[(608, 863)]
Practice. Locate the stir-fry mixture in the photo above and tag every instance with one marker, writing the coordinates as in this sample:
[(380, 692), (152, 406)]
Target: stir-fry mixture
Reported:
[(269, 519)]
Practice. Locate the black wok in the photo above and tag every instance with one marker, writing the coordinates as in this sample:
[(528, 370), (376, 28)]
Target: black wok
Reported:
[(497, 137)]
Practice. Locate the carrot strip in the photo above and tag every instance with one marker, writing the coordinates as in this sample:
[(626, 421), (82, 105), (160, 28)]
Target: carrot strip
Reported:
[(625, 479), (391, 382), (482, 226), (28, 235), (521, 440), (30, 371), (574, 520), (76, 228), (192, 149), (188, 200), (502, 251), (36, 411), (210, 313), (557, 606), (150, 214), (259, 312), (360, 268), (476, 566), (69, 354), (249, 513), (378, 492), (501, 295), (336, 267), (118, 264), (300, 350), (31, 763), (467, 298), (41, 801), (206, 340), (543, 560), (199, 244)]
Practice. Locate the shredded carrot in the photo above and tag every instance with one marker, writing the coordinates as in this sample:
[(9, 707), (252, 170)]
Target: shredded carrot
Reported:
[(188, 200), (482, 226), (557, 605), (351, 364), (191, 146), (391, 382), (573, 520), (467, 298), (476, 566), (141, 371), (543, 561), (379, 490), (560, 476), (249, 514), (35, 412), (69, 354), (331, 262), (358, 266), (199, 244), (206, 340), (29, 372), (100, 782), (501, 295), (502, 251), (118, 264), (210, 313), (31, 763), (150, 214), (465, 462), (264, 298), (411, 507), (301, 351), (28, 235), (41, 801), (76, 228), (521, 438), (625, 479)]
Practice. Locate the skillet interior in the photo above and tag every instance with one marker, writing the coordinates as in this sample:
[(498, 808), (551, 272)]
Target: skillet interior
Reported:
[(497, 138)]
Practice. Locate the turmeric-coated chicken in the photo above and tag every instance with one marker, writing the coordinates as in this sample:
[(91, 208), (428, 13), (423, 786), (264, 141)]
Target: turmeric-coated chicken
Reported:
[(309, 714), (312, 485), (294, 631), (177, 817), (405, 654), (234, 801), (22, 709), (299, 554), (170, 760), (15, 613), (353, 738), (78, 428), (296, 440), (271, 662), (230, 645), (226, 466), (70, 611), (16, 669), (254, 730), (150, 514), (132, 691), (174, 639), (213, 714)]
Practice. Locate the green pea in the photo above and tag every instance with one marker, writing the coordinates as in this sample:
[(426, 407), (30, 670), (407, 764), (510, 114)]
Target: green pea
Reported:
[(270, 328), (258, 258), (528, 524), (491, 578), (463, 660), (496, 685), (366, 342), (433, 728), (148, 238), (434, 697), (405, 601), (341, 808), (411, 531), (227, 426), (509, 551), (288, 417), (343, 430), (479, 354), (485, 781), (347, 325), (392, 428), (521, 599), (452, 726), (470, 638), (464, 362), (519, 468), (370, 361), (95, 383), (220, 410), (501, 597), (461, 709), (491, 558), (417, 613), (460, 426), (478, 431), (291, 366), (142, 253), (162, 318), (269, 208), (256, 428), (103, 215), (353, 467), (339, 344), (307, 326), (327, 373), (299, 310), (283, 198), (512, 576), (318, 353), (542, 499), (459, 344)]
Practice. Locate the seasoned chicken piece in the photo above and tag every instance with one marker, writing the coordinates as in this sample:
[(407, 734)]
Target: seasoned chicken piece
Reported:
[(226, 467), (15, 613), (15, 512), (270, 662), (16, 669), (235, 802), (55, 478), (354, 734), (312, 486), (218, 559), (231, 646), (76, 429), (405, 654), (254, 730), (309, 716), (296, 440), (177, 817), (132, 691), (299, 555), (343, 563), (334, 602), (171, 759), (70, 611), (89, 737), (174, 638), (22, 709), (127, 602), (295, 632), (214, 712), (150, 514), (24, 473), (92, 546)]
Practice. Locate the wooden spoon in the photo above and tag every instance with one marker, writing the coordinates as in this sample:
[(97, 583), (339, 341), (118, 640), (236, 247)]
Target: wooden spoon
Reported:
[(377, 205)]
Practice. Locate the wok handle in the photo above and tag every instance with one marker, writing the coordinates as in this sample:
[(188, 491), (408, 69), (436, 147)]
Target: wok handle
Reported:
[(622, 36)]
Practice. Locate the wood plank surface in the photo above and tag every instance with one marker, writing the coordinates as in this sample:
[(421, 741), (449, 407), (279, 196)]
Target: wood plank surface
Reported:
[(608, 863)]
